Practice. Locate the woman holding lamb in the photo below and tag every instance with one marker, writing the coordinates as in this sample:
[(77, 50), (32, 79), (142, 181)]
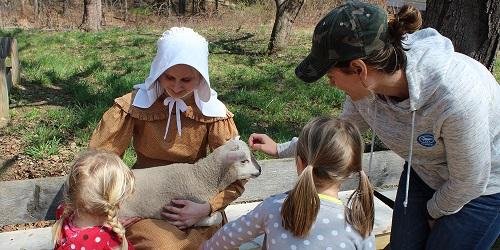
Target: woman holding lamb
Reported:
[(178, 81)]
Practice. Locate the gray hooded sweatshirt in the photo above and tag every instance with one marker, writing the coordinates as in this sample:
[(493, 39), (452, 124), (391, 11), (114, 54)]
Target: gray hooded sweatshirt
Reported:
[(454, 112)]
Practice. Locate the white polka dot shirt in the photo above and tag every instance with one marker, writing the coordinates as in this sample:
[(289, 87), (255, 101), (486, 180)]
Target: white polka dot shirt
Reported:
[(330, 231)]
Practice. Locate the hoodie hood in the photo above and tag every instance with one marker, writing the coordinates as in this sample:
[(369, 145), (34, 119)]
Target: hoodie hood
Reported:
[(429, 55)]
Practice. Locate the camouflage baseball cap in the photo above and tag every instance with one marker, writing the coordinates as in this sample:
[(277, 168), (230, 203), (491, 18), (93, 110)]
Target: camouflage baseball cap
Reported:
[(352, 30)]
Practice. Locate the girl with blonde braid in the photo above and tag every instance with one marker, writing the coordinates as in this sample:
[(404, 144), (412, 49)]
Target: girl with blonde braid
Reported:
[(97, 184), (311, 216)]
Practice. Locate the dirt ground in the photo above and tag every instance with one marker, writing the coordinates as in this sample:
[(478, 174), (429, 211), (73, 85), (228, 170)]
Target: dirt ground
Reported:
[(14, 163)]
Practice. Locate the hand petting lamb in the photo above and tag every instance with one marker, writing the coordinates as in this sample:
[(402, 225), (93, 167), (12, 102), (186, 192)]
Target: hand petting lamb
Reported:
[(198, 182)]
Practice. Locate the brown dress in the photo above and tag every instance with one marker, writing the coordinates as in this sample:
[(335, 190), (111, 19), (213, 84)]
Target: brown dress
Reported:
[(200, 134)]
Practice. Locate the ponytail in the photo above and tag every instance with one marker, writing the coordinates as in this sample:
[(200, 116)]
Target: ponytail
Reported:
[(301, 207), (407, 20), (361, 212), (117, 227)]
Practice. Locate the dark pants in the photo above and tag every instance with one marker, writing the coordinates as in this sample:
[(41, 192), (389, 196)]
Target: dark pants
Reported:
[(475, 226)]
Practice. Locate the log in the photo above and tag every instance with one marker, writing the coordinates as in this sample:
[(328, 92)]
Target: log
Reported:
[(35, 200)]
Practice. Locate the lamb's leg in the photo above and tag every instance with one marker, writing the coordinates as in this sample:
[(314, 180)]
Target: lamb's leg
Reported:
[(215, 219)]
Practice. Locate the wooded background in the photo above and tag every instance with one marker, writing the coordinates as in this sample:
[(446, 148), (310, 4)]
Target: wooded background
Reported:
[(473, 26)]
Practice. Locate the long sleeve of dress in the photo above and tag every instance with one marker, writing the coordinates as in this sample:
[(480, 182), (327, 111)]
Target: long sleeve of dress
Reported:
[(114, 131), (220, 132)]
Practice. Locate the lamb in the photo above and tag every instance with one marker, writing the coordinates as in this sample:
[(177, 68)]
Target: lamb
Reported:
[(197, 182)]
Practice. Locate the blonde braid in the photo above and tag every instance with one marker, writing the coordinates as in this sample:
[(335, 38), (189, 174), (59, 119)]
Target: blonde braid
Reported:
[(116, 226), (67, 212), (57, 227)]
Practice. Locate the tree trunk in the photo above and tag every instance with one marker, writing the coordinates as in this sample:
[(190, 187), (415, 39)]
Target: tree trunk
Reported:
[(182, 7), (65, 7), (36, 8), (473, 26), (92, 15), (126, 9), (202, 6), (104, 9), (169, 7), (137, 3), (286, 12), (23, 8)]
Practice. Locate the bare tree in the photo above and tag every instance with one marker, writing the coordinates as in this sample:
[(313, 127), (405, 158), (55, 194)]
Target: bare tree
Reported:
[(66, 4), (473, 26), (125, 5), (23, 8), (92, 15), (182, 7), (286, 12), (137, 3), (36, 8), (194, 7), (203, 5)]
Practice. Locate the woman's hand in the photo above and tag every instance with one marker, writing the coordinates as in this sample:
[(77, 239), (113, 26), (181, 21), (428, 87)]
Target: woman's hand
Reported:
[(185, 213), (263, 143)]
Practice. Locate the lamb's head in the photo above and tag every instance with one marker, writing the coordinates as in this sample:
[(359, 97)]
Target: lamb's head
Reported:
[(238, 160)]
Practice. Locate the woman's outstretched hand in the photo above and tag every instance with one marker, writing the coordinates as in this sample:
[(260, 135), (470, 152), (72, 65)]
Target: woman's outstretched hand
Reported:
[(185, 213), (263, 143)]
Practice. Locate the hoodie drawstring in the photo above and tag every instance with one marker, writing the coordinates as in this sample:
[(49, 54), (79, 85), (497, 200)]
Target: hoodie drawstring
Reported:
[(180, 105), (405, 203), (372, 147)]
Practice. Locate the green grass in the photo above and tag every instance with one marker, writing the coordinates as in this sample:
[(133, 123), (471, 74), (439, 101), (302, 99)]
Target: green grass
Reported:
[(84, 72), (81, 73)]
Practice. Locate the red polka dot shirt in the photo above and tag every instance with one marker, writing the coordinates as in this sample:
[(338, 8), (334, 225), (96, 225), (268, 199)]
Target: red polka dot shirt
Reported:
[(96, 237)]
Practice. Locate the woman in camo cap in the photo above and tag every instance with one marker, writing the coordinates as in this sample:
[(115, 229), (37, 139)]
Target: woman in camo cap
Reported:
[(436, 108)]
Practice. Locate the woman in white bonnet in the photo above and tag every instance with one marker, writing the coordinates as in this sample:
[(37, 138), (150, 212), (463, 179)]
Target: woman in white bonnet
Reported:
[(174, 116)]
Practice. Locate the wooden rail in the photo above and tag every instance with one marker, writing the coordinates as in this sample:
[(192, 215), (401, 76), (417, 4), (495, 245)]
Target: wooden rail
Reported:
[(35, 200)]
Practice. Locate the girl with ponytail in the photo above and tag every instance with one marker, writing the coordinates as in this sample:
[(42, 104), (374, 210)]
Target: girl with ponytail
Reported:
[(311, 216), (97, 184)]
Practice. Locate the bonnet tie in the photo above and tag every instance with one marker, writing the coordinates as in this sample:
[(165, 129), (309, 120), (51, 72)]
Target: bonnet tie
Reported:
[(180, 105)]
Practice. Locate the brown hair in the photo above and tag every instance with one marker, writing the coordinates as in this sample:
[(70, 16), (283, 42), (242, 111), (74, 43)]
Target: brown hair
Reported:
[(97, 183), (392, 57), (332, 149)]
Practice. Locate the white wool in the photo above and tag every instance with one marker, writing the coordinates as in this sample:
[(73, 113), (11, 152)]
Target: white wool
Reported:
[(198, 182)]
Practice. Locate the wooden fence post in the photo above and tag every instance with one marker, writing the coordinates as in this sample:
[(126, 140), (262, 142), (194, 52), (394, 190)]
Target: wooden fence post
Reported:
[(4, 95), (15, 70), (8, 47)]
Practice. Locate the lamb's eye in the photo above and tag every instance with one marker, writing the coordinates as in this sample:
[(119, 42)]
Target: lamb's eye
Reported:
[(244, 161)]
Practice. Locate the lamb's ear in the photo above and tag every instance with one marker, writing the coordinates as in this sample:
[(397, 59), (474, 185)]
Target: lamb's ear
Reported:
[(232, 145), (234, 156)]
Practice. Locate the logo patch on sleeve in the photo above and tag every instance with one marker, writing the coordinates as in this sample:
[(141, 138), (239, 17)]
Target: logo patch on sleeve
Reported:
[(426, 140)]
